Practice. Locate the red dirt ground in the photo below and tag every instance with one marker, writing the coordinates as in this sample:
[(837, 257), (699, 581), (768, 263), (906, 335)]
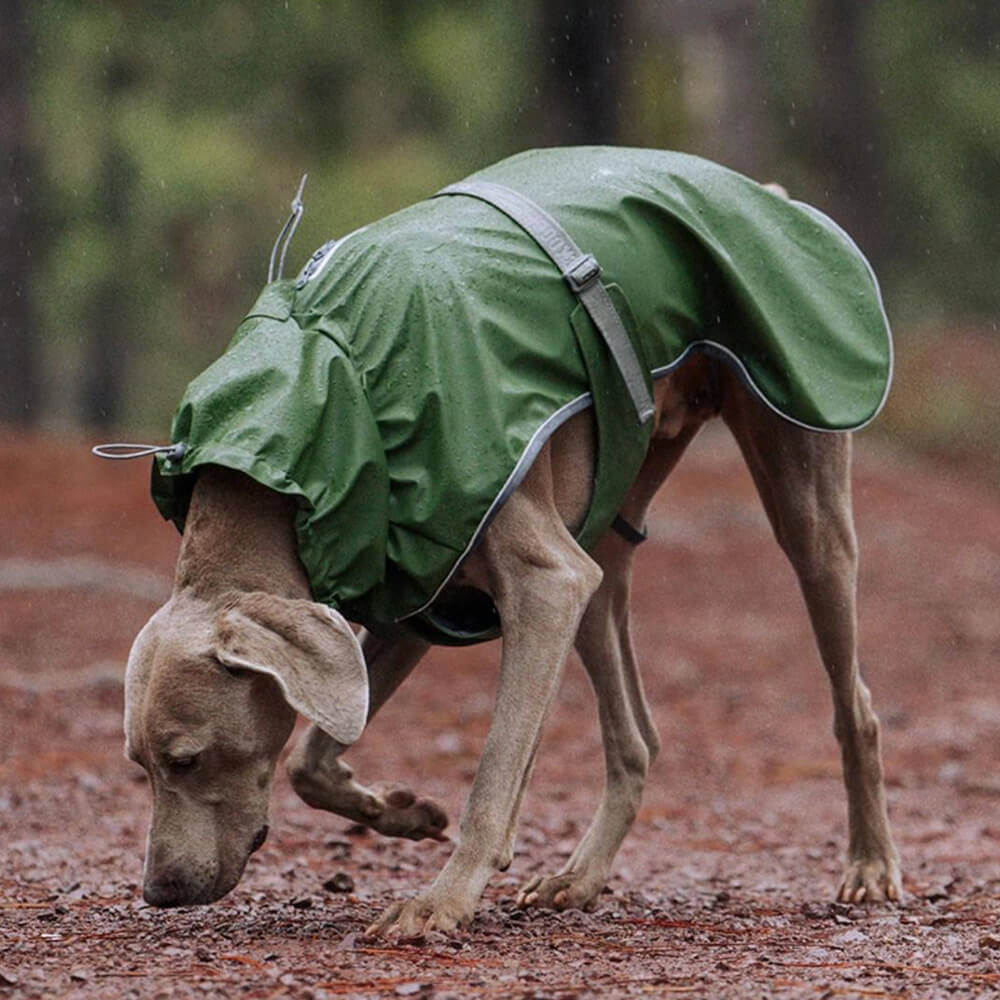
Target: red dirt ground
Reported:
[(722, 890)]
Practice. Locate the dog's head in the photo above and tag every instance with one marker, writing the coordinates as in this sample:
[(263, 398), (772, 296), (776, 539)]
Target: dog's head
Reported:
[(211, 692)]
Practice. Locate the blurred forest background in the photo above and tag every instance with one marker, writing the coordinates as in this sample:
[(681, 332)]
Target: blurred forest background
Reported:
[(150, 151)]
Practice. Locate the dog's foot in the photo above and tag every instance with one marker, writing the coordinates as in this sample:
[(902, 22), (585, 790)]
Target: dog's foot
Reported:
[(418, 917), (399, 813), (570, 890), (392, 811), (869, 880)]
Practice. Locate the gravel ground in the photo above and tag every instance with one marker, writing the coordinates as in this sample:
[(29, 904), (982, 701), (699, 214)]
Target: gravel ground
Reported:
[(723, 889)]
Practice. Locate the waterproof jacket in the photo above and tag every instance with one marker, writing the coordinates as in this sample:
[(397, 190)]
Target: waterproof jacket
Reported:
[(401, 387)]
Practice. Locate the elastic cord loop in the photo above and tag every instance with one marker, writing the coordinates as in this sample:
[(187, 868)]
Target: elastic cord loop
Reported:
[(286, 234), (121, 451)]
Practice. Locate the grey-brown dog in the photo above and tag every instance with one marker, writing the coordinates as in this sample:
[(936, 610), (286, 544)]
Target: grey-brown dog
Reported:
[(216, 677)]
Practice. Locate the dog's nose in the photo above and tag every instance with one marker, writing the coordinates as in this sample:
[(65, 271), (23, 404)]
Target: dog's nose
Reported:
[(259, 837), (166, 889)]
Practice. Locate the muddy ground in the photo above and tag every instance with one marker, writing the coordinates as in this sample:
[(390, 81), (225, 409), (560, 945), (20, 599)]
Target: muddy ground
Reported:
[(724, 888)]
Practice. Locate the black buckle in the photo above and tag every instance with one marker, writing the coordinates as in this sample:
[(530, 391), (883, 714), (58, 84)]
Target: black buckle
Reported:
[(582, 273)]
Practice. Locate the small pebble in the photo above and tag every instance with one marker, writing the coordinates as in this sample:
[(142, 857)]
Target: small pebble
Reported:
[(411, 989), (341, 882)]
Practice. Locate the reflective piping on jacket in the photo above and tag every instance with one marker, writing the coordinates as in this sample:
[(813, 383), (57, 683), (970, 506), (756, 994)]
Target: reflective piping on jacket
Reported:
[(585, 401), (837, 228), (524, 463), (727, 355)]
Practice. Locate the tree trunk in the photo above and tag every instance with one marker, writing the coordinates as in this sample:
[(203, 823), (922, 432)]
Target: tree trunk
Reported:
[(104, 358), (19, 376), (580, 97), (846, 140), (109, 309)]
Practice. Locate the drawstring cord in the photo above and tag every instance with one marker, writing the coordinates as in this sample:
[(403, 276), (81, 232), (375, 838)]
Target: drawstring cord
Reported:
[(120, 451), (287, 232)]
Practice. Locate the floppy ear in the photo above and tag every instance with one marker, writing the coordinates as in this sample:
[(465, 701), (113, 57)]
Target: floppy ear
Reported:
[(309, 649)]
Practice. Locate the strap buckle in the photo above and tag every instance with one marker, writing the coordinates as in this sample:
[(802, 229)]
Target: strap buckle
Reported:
[(582, 273)]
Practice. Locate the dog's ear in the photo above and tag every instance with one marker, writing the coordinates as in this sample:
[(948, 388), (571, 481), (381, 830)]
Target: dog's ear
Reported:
[(309, 649)]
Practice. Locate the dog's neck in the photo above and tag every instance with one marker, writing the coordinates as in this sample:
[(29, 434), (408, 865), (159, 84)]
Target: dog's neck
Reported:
[(239, 535)]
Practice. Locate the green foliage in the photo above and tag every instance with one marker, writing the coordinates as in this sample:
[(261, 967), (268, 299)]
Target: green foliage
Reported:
[(940, 82), (171, 137), (934, 76)]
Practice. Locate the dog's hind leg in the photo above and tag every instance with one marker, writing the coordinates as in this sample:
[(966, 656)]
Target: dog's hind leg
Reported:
[(324, 781), (803, 478)]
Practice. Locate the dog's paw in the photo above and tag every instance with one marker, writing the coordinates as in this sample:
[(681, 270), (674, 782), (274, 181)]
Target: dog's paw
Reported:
[(402, 814), (567, 891), (420, 916), (871, 880), (392, 811)]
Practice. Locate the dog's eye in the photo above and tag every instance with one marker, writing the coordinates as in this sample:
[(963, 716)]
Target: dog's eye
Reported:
[(182, 763)]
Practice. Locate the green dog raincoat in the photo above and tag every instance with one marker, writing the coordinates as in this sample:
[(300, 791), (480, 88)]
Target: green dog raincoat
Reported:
[(401, 387)]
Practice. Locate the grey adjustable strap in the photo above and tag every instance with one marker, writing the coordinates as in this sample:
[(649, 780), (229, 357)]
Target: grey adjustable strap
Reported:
[(582, 274)]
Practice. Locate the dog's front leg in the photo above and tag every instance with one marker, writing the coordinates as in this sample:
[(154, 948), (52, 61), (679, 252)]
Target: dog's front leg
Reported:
[(541, 582), (324, 781), (629, 735)]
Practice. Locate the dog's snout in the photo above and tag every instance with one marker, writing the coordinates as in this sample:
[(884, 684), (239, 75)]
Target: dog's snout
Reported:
[(166, 889), (258, 840)]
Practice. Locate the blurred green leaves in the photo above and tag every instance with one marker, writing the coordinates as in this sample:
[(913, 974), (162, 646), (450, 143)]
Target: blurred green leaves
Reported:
[(172, 136), (169, 139)]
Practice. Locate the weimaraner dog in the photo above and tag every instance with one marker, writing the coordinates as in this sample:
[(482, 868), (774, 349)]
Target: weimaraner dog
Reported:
[(207, 717), (215, 679)]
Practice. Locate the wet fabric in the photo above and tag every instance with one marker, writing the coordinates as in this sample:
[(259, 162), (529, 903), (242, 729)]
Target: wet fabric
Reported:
[(402, 386)]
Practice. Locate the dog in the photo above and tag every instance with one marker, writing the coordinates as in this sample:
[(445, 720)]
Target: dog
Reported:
[(248, 639)]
